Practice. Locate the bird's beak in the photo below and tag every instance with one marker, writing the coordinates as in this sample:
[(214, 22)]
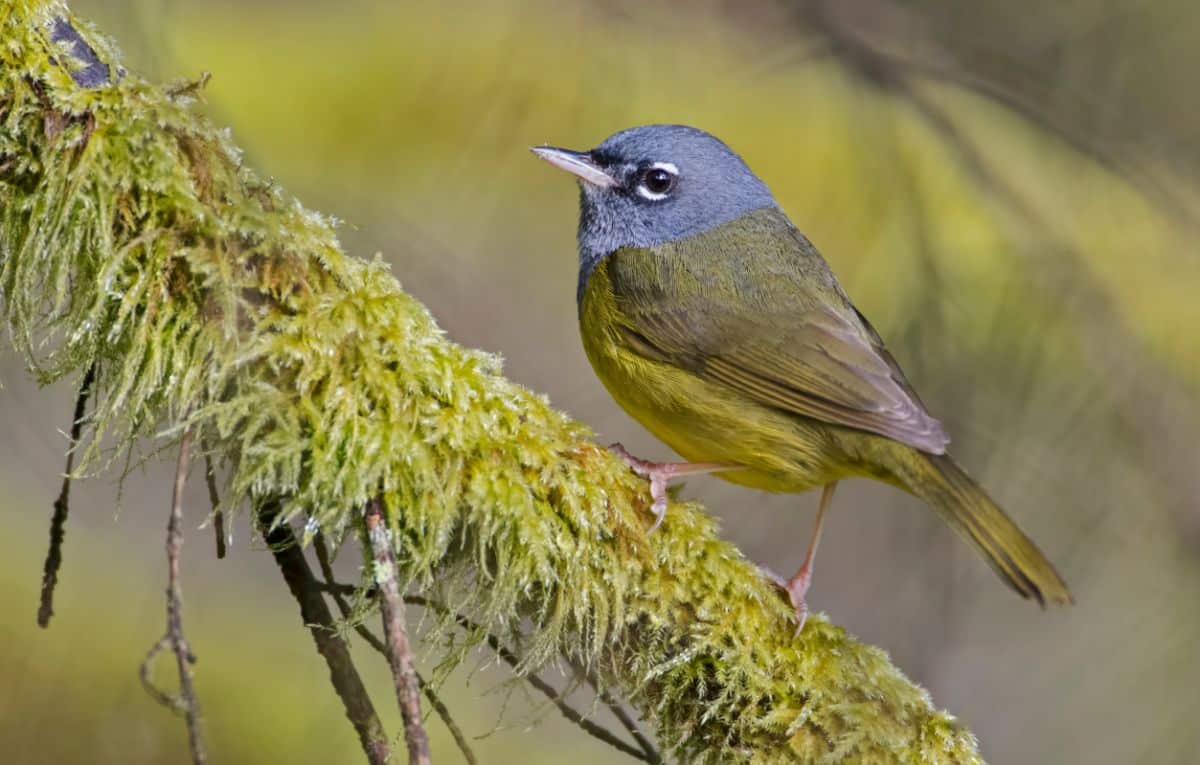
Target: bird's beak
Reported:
[(579, 163)]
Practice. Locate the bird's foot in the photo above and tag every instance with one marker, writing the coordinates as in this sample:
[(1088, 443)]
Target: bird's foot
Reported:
[(795, 588), (659, 473)]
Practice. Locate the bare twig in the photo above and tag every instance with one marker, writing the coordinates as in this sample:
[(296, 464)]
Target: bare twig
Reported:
[(443, 712), (618, 711), (146, 673), (340, 589), (338, 592), (62, 508), (315, 614), (183, 654), (400, 655), (185, 703), (588, 726), (214, 498)]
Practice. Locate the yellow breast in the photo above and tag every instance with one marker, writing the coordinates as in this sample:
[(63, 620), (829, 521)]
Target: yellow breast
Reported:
[(701, 420)]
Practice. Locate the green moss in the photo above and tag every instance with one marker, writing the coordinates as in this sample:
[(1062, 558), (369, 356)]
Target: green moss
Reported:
[(132, 237)]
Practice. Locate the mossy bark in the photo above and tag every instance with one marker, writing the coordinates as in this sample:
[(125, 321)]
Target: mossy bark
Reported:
[(132, 237)]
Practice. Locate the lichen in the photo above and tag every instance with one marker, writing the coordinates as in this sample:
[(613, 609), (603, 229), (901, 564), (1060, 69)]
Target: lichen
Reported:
[(133, 237)]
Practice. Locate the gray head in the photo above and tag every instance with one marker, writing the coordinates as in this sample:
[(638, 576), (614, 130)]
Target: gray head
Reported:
[(654, 184)]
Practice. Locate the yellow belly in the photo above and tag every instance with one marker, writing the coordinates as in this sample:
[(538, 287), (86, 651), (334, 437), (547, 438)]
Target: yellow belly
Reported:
[(701, 420)]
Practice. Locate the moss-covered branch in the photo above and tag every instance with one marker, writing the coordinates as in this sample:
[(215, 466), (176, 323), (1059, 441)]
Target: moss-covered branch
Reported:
[(133, 238)]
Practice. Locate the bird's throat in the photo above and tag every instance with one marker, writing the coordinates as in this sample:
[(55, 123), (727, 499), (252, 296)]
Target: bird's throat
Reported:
[(588, 261)]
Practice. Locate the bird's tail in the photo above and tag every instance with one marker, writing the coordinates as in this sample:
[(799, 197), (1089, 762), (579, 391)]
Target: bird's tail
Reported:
[(964, 505)]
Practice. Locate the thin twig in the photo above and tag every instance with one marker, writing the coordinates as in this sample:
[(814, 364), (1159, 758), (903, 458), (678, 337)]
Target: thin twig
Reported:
[(62, 508), (618, 711), (183, 654), (315, 614), (146, 672), (340, 589), (337, 592), (443, 712), (214, 498), (185, 703), (588, 726), (400, 655)]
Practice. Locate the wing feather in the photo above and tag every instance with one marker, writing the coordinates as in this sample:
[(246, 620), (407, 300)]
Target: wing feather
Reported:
[(815, 358)]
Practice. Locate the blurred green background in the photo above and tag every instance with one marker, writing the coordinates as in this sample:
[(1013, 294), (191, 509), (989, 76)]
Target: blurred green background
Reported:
[(1008, 190)]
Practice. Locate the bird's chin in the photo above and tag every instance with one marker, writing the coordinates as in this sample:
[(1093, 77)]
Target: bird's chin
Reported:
[(591, 190)]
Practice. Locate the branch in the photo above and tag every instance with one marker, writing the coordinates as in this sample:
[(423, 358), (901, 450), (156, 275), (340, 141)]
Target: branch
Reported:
[(618, 711), (62, 508), (339, 592), (443, 712), (185, 703), (321, 383), (650, 751), (321, 625), (214, 499), (183, 653), (399, 652)]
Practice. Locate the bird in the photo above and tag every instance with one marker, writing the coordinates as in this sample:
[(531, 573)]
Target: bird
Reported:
[(715, 323)]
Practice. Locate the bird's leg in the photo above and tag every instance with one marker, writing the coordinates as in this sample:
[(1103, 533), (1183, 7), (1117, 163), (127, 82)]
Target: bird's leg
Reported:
[(659, 473), (797, 586)]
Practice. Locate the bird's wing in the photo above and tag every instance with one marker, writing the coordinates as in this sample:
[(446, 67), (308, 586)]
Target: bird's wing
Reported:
[(815, 357)]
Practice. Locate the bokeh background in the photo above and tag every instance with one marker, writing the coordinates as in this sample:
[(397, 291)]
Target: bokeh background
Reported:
[(1007, 188)]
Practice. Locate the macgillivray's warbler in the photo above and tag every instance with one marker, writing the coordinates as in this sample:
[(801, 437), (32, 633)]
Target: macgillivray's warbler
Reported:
[(716, 324)]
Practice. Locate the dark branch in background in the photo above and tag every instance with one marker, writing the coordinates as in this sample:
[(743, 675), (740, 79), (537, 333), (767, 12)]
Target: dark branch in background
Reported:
[(894, 75), (399, 653), (62, 508), (185, 703), (214, 498), (315, 614), (339, 598), (547, 690), (901, 77), (886, 68), (1108, 157)]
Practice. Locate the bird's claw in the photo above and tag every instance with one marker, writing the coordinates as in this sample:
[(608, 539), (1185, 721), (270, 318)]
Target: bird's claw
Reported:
[(795, 589), (657, 476), (660, 512), (659, 473)]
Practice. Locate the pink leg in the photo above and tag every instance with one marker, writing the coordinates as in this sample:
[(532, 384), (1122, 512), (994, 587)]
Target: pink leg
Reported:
[(661, 472), (797, 586)]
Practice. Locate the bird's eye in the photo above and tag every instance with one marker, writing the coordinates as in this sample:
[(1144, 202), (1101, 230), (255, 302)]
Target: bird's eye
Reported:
[(657, 181)]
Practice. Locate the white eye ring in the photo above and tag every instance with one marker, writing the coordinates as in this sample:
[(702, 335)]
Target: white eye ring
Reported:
[(655, 196)]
